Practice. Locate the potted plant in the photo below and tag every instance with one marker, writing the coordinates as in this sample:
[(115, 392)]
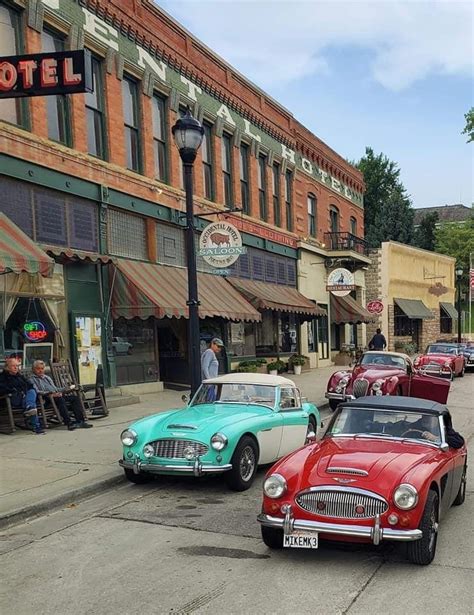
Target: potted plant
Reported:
[(297, 361), (276, 367)]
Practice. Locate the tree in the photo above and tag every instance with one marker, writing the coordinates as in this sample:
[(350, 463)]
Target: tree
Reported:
[(469, 127), (425, 234), (457, 240), (388, 214)]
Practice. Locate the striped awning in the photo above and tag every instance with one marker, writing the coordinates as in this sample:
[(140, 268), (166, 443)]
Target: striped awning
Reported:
[(346, 310), (265, 296), (19, 253), (141, 290), (77, 255)]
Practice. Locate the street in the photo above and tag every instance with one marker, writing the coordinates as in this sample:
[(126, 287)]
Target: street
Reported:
[(187, 546)]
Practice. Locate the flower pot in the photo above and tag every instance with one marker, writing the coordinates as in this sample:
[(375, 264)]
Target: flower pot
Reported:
[(297, 369), (273, 372)]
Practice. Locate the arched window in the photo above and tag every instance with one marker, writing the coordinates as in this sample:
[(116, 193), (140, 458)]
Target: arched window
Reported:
[(334, 219), (353, 226), (311, 215)]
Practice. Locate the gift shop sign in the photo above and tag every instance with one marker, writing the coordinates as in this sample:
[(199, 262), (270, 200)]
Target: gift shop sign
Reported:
[(34, 331), (340, 282), (220, 244), (42, 74)]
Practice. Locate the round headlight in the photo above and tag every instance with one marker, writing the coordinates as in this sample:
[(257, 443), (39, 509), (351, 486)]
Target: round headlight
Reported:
[(405, 497), (447, 364), (218, 441), (148, 450), (377, 385), (274, 486), (343, 381), (128, 437)]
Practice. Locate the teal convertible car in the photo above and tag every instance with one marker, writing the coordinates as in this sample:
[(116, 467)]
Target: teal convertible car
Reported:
[(233, 424)]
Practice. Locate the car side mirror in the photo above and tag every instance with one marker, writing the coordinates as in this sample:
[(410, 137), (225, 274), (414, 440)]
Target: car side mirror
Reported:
[(185, 398)]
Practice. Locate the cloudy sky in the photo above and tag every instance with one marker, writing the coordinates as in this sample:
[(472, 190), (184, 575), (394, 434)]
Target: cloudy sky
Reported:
[(393, 74)]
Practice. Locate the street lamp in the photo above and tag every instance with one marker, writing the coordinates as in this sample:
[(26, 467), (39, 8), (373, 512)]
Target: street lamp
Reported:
[(188, 134), (459, 273)]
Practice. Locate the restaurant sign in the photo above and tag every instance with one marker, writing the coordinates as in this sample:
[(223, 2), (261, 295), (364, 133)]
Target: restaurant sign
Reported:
[(220, 244), (340, 282), (43, 74)]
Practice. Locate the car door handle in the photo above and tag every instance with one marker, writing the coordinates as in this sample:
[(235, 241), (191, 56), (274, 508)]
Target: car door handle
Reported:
[(269, 429)]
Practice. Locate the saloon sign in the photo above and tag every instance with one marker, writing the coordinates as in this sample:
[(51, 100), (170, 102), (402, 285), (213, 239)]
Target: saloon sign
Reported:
[(42, 74), (340, 282), (221, 244)]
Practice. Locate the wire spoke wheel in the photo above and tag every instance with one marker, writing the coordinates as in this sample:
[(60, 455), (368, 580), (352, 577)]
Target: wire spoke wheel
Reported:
[(247, 463)]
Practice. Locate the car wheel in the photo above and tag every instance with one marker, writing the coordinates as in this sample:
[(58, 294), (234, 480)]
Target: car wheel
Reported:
[(461, 374), (138, 479), (422, 551), (333, 404), (461, 496), (244, 465), (272, 537), (311, 429)]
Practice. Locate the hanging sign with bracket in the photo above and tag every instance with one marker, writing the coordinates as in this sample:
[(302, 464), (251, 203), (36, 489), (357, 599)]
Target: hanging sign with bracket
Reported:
[(220, 244)]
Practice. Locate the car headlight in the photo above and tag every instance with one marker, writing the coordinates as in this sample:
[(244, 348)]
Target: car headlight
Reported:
[(128, 437), (219, 441), (405, 497), (274, 486), (148, 450), (377, 385), (189, 452), (447, 364)]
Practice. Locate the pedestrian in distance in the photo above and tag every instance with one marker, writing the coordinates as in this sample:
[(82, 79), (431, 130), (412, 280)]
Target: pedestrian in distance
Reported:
[(209, 361), (22, 394), (378, 342)]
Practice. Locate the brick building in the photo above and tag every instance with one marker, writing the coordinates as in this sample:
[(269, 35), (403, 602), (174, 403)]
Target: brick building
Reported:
[(96, 181)]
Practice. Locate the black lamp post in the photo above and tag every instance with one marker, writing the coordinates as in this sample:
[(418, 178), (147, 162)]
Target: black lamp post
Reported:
[(188, 134), (459, 273)]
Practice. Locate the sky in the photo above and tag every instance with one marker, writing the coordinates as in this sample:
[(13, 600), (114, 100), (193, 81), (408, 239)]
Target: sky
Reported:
[(395, 75)]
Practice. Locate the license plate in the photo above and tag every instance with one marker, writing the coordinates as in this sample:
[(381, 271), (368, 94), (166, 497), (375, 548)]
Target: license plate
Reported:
[(301, 540)]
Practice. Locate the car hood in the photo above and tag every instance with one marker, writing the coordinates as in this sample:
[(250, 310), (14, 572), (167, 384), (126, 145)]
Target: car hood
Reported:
[(372, 373), (437, 357)]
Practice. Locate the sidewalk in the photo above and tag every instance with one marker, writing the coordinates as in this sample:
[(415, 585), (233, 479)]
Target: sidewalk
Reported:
[(39, 473)]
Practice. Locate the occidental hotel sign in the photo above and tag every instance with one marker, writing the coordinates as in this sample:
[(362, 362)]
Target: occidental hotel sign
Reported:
[(42, 74)]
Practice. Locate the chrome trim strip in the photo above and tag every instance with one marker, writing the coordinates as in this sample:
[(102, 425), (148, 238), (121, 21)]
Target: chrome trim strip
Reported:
[(336, 470), (382, 437), (154, 468), (374, 533), (341, 396), (178, 426)]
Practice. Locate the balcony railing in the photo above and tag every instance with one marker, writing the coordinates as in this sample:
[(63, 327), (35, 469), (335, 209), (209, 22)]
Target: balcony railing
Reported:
[(345, 241)]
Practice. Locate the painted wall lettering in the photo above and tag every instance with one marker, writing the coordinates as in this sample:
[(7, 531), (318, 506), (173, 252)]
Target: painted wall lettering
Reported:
[(101, 30), (145, 60)]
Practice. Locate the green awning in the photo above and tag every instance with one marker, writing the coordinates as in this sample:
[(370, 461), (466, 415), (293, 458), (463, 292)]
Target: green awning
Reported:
[(414, 308), (450, 310)]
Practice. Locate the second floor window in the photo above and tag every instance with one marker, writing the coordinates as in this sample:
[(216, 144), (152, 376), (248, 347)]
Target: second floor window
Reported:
[(207, 162), (57, 106), (262, 187), (288, 200), (244, 178), (131, 123), (353, 224), (226, 146), (334, 219), (159, 138), (312, 215), (276, 194), (10, 108), (95, 113)]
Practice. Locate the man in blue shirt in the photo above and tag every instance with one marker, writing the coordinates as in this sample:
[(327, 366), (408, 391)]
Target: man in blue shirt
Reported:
[(209, 362)]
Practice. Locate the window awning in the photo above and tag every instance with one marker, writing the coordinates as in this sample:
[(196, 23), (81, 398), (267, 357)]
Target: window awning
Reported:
[(346, 310), (265, 296), (415, 309), (19, 253), (75, 255), (143, 289), (450, 310)]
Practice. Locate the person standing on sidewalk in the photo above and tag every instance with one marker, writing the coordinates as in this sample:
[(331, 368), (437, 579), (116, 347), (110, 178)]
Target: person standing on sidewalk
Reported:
[(378, 342), (44, 384), (209, 361), (22, 393)]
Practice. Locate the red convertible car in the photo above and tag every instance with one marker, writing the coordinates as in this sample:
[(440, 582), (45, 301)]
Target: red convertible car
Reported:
[(444, 360), (383, 471), (384, 373)]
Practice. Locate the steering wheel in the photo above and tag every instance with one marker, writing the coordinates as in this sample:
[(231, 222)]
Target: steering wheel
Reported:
[(411, 431)]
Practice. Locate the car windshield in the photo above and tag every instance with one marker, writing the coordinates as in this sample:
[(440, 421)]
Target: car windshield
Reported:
[(441, 349), (384, 423), (235, 394), (383, 358)]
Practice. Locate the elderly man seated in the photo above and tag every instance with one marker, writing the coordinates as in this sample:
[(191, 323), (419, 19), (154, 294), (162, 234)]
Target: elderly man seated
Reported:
[(22, 393), (45, 385)]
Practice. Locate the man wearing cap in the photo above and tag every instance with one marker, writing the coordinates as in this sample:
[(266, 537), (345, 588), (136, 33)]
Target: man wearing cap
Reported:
[(209, 362)]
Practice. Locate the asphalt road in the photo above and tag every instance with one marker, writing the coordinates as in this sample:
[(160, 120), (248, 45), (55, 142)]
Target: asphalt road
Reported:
[(182, 546)]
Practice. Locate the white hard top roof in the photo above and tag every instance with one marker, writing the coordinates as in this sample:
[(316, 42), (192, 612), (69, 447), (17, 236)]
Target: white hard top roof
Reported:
[(249, 378)]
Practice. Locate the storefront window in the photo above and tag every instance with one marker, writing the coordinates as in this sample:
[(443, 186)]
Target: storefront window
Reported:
[(312, 333), (242, 339), (89, 347), (134, 349), (265, 342), (288, 333)]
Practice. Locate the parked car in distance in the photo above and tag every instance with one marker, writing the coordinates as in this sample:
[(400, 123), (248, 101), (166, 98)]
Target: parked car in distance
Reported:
[(384, 373), (374, 476), (467, 348), (444, 360), (121, 345), (233, 424)]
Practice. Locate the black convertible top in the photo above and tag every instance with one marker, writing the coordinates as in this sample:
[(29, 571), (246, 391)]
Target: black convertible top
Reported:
[(394, 402)]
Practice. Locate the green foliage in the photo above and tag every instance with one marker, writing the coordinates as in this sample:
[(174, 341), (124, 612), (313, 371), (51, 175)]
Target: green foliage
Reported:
[(408, 348), (246, 367), (469, 127), (297, 359), (388, 214), (425, 234), (261, 362), (457, 240), (277, 365)]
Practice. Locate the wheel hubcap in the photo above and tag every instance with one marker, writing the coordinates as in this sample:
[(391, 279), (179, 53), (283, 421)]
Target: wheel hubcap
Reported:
[(433, 530), (247, 463)]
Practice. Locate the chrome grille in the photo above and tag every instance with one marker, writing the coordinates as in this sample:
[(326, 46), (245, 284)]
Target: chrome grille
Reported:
[(174, 449), (341, 503), (360, 388), (334, 470)]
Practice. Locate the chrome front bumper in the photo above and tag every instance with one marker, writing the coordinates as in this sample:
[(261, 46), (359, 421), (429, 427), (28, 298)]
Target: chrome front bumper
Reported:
[(338, 396), (197, 469), (376, 533)]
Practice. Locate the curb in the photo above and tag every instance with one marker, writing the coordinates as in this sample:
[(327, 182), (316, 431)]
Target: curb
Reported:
[(50, 505)]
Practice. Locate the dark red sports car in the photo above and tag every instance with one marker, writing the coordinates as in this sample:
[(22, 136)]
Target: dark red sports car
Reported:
[(445, 360), (383, 471)]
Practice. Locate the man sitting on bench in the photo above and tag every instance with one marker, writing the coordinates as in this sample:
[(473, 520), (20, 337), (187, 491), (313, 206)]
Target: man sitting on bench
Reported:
[(22, 392), (45, 385)]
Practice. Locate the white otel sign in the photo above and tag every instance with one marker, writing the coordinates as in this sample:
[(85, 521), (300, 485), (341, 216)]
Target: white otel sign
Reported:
[(340, 282), (220, 244)]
